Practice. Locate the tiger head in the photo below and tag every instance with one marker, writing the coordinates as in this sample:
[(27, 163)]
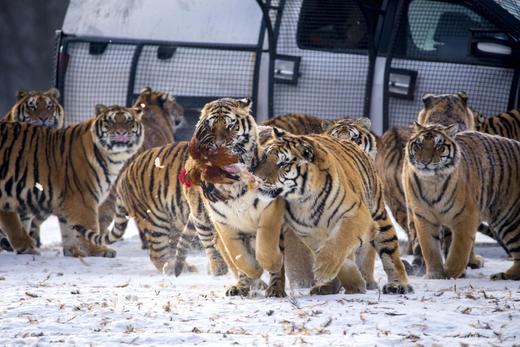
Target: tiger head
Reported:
[(447, 109), (357, 131), (287, 167), (432, 149), (161, 103), (118, 129), (38, 108), (228, 122)]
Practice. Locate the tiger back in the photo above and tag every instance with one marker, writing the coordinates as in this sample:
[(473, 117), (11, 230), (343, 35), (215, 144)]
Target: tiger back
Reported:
[(506, 124), (37, 108), (456, 180), (66, 172)]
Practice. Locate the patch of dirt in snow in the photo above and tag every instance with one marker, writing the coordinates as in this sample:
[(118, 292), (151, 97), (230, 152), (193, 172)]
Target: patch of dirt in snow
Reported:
[(51, 299)]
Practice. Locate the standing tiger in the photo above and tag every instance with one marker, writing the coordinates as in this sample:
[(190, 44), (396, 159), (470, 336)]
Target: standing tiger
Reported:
[(334, 204), (37, 108), (235, 211), (443, 109), (162, 116), (456, 180), (66, 172), (149, 192)]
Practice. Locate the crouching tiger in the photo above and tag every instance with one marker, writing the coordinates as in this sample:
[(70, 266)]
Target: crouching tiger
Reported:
[(66, 172), (335, 205), (456, 181)]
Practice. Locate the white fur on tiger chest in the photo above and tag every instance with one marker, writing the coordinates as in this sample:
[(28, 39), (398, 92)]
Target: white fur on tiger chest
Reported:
[(243, 214)]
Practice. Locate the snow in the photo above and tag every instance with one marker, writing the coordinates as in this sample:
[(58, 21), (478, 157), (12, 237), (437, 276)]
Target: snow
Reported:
[(52, 299)]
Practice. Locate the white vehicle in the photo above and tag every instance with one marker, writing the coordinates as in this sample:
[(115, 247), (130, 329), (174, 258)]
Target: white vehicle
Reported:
[(328, 58)]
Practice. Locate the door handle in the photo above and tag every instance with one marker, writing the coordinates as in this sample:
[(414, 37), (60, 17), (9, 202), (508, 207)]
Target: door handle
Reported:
[(401, 83)]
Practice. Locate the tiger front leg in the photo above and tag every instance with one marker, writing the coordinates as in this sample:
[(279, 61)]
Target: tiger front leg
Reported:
[(242, 287), (238, 252), (428, 235), (267, 248), (463, 239), (343, 239), (19, 239)]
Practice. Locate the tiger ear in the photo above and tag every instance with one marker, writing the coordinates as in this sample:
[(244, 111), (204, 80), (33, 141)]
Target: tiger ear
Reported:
[(427, 100), (416, 127), (145, 90), (54, 92), (21, 94), (452, 129), (463, 96), (100, 108), (278, 133), (365, 122), (245, 103)]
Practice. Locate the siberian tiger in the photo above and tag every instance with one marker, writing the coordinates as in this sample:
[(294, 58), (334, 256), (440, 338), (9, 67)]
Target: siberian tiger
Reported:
[(456, 180), (443, 109), (162, 116), (37, 108), (66, 172), (149, 191), (334, 202), (235, 211), (357, 131)]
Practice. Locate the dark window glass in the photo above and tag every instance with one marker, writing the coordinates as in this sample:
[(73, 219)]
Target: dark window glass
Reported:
[(334, 24), (439, 31)]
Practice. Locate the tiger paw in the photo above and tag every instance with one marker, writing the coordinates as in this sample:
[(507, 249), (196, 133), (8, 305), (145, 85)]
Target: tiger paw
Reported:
[(435, 275), (358, 287), (28, 250), (476, 262), (397, 288), (104, 252), (238, 291), (500, 276), (275, 291), (326, 265), (331, 287)]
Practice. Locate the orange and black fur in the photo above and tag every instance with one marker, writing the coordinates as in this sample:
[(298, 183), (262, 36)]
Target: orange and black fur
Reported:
[(335, 205), (66, 172), (456, 180), (38, 108)]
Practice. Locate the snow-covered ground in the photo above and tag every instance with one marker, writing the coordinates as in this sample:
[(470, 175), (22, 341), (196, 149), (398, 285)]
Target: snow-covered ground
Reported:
[(51, 299)]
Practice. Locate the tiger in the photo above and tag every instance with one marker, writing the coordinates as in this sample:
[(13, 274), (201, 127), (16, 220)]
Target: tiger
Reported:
[(149, 191), (161, 118), (437, 109), (357, 131), (506, 124), (38, 108), (455, 180), (334, 202), (235, 211), (66, 172)]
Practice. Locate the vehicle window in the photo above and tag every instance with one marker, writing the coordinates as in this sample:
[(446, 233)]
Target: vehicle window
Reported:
[(334, 25), (439, 31)]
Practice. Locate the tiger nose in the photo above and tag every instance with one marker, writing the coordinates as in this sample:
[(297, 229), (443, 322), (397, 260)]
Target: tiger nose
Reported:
[(121, 133)]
